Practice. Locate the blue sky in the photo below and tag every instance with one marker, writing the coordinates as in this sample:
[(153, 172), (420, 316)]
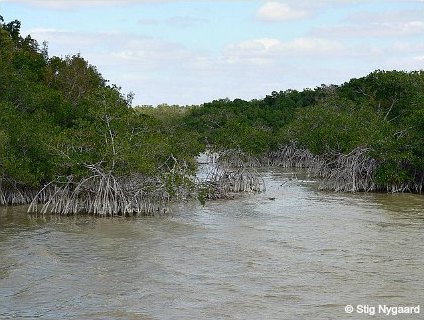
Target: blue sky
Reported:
[(190, 52)]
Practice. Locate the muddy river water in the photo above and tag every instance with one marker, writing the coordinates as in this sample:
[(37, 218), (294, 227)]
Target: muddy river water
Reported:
[(292, 252)]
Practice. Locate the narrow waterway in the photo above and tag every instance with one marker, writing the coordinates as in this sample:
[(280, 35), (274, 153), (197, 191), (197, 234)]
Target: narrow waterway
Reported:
[(293, 252)]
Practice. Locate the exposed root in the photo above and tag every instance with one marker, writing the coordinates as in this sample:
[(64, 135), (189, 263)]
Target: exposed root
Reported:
[(233, 173), (234, 158), (103, 194), (290, 156), (12, 193), (338, 172), (350, 172), (235, 180)]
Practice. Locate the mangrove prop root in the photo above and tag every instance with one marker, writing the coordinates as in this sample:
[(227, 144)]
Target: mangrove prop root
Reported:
[(350, 172), (347, 172), (289, 156), (103, 194), (12, 193), (233, 172)]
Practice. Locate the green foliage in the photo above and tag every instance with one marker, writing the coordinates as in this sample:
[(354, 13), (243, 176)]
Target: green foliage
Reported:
[(168, 131), (339, 127), (24, 154), (58, 116), (382, 112)]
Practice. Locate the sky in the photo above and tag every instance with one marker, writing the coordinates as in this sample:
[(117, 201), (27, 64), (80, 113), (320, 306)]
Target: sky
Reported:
[(191, 52)]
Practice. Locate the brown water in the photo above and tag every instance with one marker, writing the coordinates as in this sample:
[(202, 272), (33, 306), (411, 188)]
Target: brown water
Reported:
[(304, 255)]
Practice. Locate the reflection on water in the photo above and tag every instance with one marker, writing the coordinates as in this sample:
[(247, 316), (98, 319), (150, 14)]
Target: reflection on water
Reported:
[(303, 255)]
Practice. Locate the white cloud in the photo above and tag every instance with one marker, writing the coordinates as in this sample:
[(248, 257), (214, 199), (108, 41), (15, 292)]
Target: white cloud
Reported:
[(254, 47), (278, 11), (159, 71), (271, 48), (114, 48), (405, 50), (394, 29), (151, 55), (165, 71), (68, 42), (314, 46), (258, 52), (371, 24)]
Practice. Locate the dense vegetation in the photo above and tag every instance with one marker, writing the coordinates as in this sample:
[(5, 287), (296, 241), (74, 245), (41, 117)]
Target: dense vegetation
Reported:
[(61, 121), (67, 132), (379, 118)]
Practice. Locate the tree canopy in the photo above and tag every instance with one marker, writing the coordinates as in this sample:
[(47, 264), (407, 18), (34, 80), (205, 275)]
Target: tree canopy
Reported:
[(59, 117)]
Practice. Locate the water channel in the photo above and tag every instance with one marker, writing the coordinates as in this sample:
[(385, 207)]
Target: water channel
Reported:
[(292, 252)]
